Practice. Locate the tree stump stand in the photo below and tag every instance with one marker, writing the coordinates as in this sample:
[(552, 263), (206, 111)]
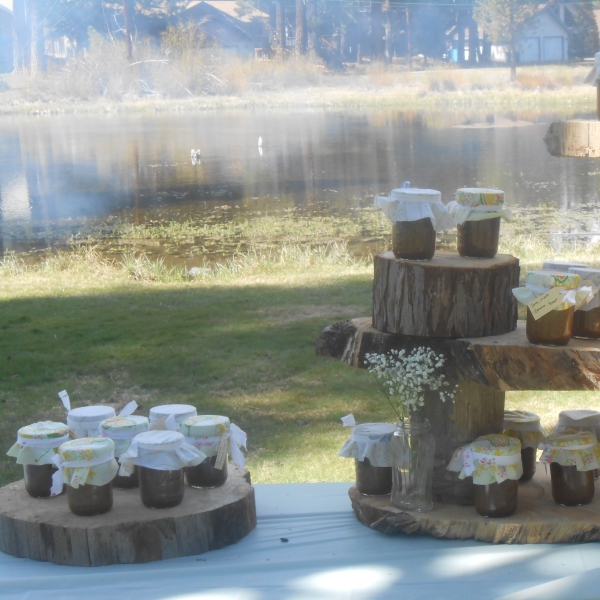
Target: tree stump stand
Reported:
[(580, 139), (538, 519), (45, 529), (448, 296), (483, 366)]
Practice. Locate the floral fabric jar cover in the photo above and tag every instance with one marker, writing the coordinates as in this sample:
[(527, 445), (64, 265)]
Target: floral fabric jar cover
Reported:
[(478, 204), (37, 444)]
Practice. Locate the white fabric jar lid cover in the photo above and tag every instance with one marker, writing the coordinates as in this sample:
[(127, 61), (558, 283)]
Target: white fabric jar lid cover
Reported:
[(519, 419), (579, 418), (205, 426), (157, 440), (559, 265), (43, 430), (87, 449), (373, 432), (416, 195), (587, 274), (90, 414), (179, 411)]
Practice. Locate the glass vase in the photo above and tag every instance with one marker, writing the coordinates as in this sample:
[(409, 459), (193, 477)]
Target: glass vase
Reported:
[(413, 447)]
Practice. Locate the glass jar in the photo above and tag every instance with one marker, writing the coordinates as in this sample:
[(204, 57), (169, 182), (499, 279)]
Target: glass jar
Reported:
[(478, 239), (36, 446), (161, 489), (159, 414), (553, 329), (161, 457), (526, 427), (583, 420), (494, 463), (413, 240), (88, 500), (496, 500), (84, 421), (413, 447), (573, 457), (586, 324), (38, 480), (372, 481), (206, 475), (571, 487), (88, 467), (529, 460), (370, 445), (210, 435), (121, 430)]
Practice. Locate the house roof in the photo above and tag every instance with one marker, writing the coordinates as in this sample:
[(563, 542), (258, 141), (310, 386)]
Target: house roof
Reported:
[(229, 7)]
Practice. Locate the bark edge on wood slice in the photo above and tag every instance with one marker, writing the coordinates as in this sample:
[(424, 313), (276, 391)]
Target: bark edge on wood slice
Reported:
[(577, 138), (448, 296), (45, 529), (505, 362), (538, 519)]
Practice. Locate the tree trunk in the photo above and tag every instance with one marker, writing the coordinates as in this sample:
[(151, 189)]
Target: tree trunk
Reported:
[(312, 26), (461, 41), (280, 26), (513, 45), (127, 18), (449, 296), (21, 36), (387, 24), (473, 42), (300, 28), (37, 53), (376, 31), (408, 39)]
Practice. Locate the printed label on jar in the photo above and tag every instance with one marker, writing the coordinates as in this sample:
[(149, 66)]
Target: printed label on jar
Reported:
[(221, 453), (545, 303)]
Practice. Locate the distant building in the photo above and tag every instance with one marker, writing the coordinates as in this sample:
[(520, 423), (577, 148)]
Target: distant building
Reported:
[(546, 40), (220, 20), (6, 36)]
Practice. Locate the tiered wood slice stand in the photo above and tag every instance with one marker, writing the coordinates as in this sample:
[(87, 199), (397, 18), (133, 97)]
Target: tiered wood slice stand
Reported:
[(464, 309), (45, 529)]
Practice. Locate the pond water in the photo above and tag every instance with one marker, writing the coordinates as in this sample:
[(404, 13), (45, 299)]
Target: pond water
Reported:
[(61, 175)]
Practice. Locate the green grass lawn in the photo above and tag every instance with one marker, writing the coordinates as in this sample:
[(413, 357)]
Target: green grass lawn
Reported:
[(238, 342)]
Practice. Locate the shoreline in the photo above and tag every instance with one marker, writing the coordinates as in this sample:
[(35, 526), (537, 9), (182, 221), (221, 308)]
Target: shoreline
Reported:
[(579, 98)]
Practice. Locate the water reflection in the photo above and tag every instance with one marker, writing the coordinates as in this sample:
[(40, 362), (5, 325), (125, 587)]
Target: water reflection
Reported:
[(58, 174)]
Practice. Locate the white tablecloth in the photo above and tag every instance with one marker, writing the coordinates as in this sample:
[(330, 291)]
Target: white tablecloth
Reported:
[(329, 555)]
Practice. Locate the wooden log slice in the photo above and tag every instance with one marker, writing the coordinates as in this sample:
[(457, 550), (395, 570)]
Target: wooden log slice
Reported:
[(538, 519), (45, 529), (574, 138), (448, 296)]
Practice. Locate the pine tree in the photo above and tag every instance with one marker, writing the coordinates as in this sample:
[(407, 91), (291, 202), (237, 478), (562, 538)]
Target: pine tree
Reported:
[(583, 34)]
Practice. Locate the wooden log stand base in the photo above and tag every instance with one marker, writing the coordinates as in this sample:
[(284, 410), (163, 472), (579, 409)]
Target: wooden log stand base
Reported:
[(538, 519), (45, 529)]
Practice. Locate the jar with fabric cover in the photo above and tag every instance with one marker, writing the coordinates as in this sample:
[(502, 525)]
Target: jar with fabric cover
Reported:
[(370, 445), (216, 437), (37, 444), (572, 456), (417, 214), (581, 420), (121, 430), (561, 266), (169, 416), (85, 420), (494, 463), (161, 457), (526, 427), (586, 322), (478, 212), (413, 449), (557, 295), (87, 466)]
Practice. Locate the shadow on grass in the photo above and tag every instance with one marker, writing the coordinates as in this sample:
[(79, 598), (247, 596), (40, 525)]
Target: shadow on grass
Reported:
[(247, 352)]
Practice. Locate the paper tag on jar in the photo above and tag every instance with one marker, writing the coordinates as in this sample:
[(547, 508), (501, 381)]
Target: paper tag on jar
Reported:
[(221, 453), (543, 304)]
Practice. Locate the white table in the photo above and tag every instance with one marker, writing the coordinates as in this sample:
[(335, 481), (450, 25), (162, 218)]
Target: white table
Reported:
[(329, 555)]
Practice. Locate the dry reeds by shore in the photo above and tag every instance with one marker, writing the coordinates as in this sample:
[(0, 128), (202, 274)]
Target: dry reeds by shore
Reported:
[(200, 76)]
